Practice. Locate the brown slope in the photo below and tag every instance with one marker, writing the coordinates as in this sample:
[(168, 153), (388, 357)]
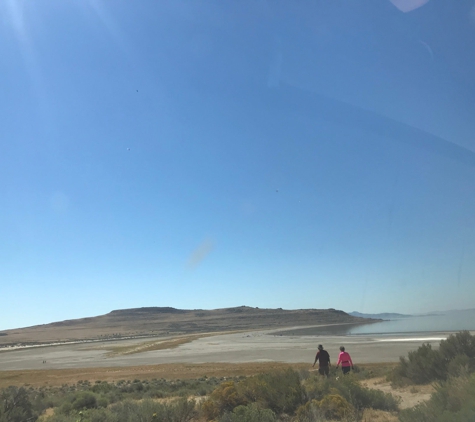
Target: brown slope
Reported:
[(156, 321)]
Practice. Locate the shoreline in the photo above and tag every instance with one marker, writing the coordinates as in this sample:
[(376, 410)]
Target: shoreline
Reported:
[(28, 345), (344, 330), (259, 346)]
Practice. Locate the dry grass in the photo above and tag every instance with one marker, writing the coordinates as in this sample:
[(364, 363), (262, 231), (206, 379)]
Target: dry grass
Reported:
[(159, 345), (371, 415), (409, 396), (171, 371), (377, 370), (58, 377), (46, 414)]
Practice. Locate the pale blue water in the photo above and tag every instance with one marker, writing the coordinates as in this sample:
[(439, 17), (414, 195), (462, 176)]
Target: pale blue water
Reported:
[(450, 322), (454, 321)]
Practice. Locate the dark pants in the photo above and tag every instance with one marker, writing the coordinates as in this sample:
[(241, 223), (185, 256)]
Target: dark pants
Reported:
[(346, 369), (324, 370)]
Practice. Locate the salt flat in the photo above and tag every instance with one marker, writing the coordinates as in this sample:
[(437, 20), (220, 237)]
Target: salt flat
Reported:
[(252, 346)]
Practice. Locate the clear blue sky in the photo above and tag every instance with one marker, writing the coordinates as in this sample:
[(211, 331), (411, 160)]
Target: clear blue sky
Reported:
[(215, 154)]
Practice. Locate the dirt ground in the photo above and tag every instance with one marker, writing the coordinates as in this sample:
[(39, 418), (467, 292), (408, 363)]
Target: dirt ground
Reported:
[(410, 396)]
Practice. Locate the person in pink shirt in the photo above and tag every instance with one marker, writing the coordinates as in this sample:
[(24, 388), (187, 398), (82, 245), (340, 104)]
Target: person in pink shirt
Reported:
[(345, 359)]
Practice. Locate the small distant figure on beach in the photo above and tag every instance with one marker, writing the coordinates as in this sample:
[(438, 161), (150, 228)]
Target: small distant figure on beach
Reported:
[(345, 359), (323, 361)]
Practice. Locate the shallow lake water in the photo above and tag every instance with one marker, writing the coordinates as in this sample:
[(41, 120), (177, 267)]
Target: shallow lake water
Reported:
[(449, 322)]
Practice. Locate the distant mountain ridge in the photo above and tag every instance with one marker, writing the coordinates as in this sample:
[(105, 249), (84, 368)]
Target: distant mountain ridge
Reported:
[(468, 312), (166, 321), (384, 315), (393, 315)]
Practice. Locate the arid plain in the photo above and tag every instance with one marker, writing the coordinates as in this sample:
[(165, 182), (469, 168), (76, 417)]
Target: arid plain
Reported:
[(156, 341)]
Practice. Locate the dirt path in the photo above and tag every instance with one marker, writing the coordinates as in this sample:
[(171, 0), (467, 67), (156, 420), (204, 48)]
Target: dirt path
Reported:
[(410, 396)]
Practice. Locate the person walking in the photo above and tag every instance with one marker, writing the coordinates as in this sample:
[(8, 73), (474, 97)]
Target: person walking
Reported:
[(323, 361), (345, 359)]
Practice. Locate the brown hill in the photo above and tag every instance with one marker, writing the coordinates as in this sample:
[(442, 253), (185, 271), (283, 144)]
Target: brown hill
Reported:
[(155, 321)]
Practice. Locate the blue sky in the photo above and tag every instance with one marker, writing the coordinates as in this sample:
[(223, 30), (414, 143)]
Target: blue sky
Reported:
[(216, 154)]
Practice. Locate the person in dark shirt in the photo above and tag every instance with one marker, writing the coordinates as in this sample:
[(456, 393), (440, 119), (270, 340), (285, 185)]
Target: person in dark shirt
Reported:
[(323, 361)]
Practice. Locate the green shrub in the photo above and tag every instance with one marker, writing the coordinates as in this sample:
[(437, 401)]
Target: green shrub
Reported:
[(102, 402), (224, 399), (454, 401), (178, 411), (280, 391), (462, 343), (114, 396), (460, 365), (361, 397), (351, 390), (102, 387), (426, 365), (65, 408), (335, 407), (250, 413), (308, 412), (133, 411), (15, 405), (84, 400), (317, 387), (268, 397), (181, 410), (331, 407)]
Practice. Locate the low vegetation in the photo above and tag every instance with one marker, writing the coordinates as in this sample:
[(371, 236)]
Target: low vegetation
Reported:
[(104, 401), (155, 345), (276, 395), (452, 369), (453, 401), (280, 395), (454, 356)]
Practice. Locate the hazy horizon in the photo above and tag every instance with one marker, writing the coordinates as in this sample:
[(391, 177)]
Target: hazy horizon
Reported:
[(430, 313)]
